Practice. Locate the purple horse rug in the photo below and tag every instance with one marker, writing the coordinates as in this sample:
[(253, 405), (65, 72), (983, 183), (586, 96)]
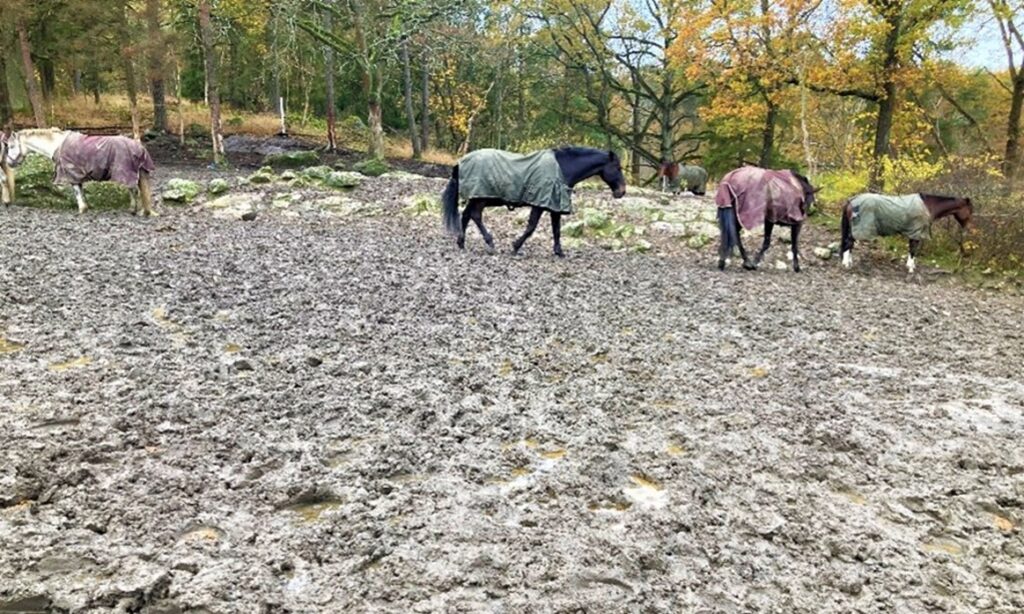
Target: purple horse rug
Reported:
[(84, 158), (760, 194)]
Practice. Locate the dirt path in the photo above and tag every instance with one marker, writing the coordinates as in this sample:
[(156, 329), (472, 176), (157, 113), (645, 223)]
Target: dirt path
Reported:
[(324, 414)]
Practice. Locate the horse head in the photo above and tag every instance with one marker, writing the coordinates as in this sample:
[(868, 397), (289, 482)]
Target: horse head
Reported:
[(611, 174), (11, 146), (809, 190), (965, 214)]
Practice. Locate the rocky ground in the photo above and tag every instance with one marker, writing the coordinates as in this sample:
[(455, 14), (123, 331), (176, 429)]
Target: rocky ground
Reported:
[(329, 408)]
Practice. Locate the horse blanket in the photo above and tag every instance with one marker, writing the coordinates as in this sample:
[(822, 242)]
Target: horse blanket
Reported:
[(692, 178), (760, 194), (518, 179), (878, 215), (84, 158)]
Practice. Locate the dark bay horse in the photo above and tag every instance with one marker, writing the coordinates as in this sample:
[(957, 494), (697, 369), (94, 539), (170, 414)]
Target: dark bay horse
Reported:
[(678, 177), (542, 180), (877, 215), (750, 196)]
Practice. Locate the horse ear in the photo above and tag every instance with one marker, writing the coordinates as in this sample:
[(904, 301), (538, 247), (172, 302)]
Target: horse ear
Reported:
[(612, 156)]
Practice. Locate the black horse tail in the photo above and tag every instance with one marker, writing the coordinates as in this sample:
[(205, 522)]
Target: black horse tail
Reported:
[(450, 204), (728, 232)]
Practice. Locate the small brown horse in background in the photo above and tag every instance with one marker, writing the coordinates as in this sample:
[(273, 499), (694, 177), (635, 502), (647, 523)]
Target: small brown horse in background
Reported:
[(935, 207)]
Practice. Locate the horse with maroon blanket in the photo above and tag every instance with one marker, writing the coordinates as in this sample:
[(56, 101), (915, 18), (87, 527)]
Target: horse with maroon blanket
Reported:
[(750, 196), (79, 158), (877, 215), (678, 177), (542, 180)]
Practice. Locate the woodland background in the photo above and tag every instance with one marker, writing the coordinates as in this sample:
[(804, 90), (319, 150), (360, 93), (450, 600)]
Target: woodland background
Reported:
[(858, 94)]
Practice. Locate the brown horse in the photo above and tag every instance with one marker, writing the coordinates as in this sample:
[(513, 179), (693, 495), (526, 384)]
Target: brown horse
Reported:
[(911, 215)]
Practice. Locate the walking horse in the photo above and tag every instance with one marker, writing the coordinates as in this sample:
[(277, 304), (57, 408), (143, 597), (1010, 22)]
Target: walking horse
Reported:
[(542, 181), (80, 158)]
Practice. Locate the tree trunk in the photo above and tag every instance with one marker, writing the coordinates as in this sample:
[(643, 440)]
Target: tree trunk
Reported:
[(177, 96), (636, 135), (156, 65), (425, 105), (31, 82), (768, 134), (213, 92), (6, 112), (414, 136), (332, 129), (376, 145), (128, 65), (1011, 160), (887, 105)]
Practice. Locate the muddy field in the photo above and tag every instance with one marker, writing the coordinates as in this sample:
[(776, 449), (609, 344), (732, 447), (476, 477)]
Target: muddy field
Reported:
[(332, 409)]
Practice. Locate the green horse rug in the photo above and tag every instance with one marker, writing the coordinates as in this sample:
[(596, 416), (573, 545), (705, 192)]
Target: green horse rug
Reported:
[(517, 179), (880, 215)]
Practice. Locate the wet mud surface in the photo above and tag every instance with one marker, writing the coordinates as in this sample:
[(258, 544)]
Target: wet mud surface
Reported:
[(315, 413)]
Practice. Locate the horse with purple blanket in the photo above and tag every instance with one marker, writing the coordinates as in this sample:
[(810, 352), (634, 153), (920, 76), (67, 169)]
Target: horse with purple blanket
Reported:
[(79, 158), (750, 196)]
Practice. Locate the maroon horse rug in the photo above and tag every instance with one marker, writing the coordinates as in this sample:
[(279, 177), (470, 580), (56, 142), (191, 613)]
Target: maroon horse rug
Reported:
[(760, 195), (84, 158)]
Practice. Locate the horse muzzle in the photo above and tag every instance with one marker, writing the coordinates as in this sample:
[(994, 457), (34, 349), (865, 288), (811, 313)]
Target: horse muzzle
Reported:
[(619, 192)]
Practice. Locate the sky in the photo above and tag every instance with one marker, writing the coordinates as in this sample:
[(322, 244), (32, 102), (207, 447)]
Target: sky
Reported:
[(987, 49)]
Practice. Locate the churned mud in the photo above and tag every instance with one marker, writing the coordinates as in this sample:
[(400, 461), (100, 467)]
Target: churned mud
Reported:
[(318, 411)]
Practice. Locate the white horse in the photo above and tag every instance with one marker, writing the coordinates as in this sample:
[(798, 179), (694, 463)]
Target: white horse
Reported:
[(80, 158)]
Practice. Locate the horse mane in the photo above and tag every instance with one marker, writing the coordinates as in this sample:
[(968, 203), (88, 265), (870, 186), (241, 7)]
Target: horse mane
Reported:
[(580, 150), (39, 131)]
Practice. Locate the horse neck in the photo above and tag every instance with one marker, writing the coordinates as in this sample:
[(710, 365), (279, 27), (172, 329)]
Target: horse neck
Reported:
[(578, 165), (938, 209), (46, 145)]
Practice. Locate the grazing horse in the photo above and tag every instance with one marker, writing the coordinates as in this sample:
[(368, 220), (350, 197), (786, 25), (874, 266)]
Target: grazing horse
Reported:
[(677, 177), (80, 158), (911, 215), (542, 180), (752, 196)]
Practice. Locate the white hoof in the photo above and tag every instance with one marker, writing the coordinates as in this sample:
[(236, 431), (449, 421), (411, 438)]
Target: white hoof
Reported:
[(911, 265), (847, 259)]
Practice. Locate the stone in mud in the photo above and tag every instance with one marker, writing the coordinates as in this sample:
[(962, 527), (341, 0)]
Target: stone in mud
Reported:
[(234, 206), (573, 229), (642, 246), (317, 173), (289, 175), (423, 204), (1011, 571), (263, 176), (823, 252), (291, 159), (698, 241), (595, 218), (243, 364), (181, 191), (343, 180), (218, 185), (401, 176), (372, 167)]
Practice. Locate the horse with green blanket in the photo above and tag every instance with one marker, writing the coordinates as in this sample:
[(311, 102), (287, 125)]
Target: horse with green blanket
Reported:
[(542, 181), (877, 215)]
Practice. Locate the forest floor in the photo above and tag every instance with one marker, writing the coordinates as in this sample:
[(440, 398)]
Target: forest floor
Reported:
[(331, 408)]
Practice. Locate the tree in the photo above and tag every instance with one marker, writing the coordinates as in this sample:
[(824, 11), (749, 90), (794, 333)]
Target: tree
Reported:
[(1009, 17), (156, 56), (31, 81), (212, 84)]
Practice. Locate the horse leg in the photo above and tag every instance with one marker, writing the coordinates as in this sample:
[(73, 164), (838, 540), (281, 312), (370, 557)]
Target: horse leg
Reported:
[(478, 219), (531, 225), (80, 197), (467, 215), (914, 247), (739, 242), (794, 234), (768, 227), (134, 194), (146, 194), (556, 233)]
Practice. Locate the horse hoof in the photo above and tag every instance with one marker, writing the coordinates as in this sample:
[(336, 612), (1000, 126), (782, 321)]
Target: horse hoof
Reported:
[(749, 266), (721, 265), (560, 253), (796, 268), (489, 249), (461, 243)]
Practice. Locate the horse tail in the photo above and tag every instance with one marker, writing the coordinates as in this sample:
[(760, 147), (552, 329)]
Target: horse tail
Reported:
[(450, 204), (844, 224), (146, 191), (729, 233)]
